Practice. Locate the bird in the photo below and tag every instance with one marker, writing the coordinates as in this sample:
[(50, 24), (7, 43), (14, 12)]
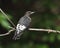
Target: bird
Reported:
[(23, 24)]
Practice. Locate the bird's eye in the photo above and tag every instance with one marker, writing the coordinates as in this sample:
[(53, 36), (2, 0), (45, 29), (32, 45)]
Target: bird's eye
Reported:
[(29, 11)]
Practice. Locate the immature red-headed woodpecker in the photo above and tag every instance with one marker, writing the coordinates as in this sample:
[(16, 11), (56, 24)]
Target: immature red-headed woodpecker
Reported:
[(23, 23)]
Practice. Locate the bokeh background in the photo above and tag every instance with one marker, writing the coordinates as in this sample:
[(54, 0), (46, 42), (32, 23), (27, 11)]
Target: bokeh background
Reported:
[(47, 16)]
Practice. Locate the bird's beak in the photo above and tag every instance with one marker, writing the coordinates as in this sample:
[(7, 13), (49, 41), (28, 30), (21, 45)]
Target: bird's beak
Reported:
[(32, 12)]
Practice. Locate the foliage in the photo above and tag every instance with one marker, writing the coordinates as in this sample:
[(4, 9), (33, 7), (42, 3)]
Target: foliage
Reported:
[(3, 21), (47, 16)]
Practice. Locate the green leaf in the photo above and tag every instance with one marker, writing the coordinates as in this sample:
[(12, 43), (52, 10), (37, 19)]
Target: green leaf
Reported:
[(3, 21), (57, 27), (51, 38), (58, 37), (42, 46), (5, 24)]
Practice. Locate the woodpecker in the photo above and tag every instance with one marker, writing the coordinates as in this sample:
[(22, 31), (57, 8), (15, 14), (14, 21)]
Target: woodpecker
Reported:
[(23, 23)]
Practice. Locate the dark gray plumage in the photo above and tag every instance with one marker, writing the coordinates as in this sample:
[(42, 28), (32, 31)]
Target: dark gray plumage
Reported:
[(23, 23)]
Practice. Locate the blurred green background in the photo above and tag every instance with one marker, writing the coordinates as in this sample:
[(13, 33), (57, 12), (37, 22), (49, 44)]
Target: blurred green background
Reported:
[(47, 16)]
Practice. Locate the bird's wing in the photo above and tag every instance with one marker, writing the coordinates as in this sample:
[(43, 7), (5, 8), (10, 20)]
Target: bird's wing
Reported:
[(25, 20)]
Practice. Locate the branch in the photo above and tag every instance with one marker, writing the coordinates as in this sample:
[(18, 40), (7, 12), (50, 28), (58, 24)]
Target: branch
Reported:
[(48, 30), (7, 32), (7, 17), (33, 29)]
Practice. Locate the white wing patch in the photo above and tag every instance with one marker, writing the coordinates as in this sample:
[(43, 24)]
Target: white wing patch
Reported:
[(20, 27)]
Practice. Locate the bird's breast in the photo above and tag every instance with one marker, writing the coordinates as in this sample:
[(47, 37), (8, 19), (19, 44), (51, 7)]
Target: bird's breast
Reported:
[(20, 27)]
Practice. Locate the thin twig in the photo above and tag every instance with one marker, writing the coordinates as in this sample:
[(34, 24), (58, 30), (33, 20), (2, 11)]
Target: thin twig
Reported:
[(48, 30), (7, 32), (7, 17)]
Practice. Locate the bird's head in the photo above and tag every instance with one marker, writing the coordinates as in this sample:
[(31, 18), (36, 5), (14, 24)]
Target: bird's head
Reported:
[(29, 13)]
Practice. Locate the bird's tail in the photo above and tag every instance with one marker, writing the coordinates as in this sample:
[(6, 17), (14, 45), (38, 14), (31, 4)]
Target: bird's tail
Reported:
[(17, 36)]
